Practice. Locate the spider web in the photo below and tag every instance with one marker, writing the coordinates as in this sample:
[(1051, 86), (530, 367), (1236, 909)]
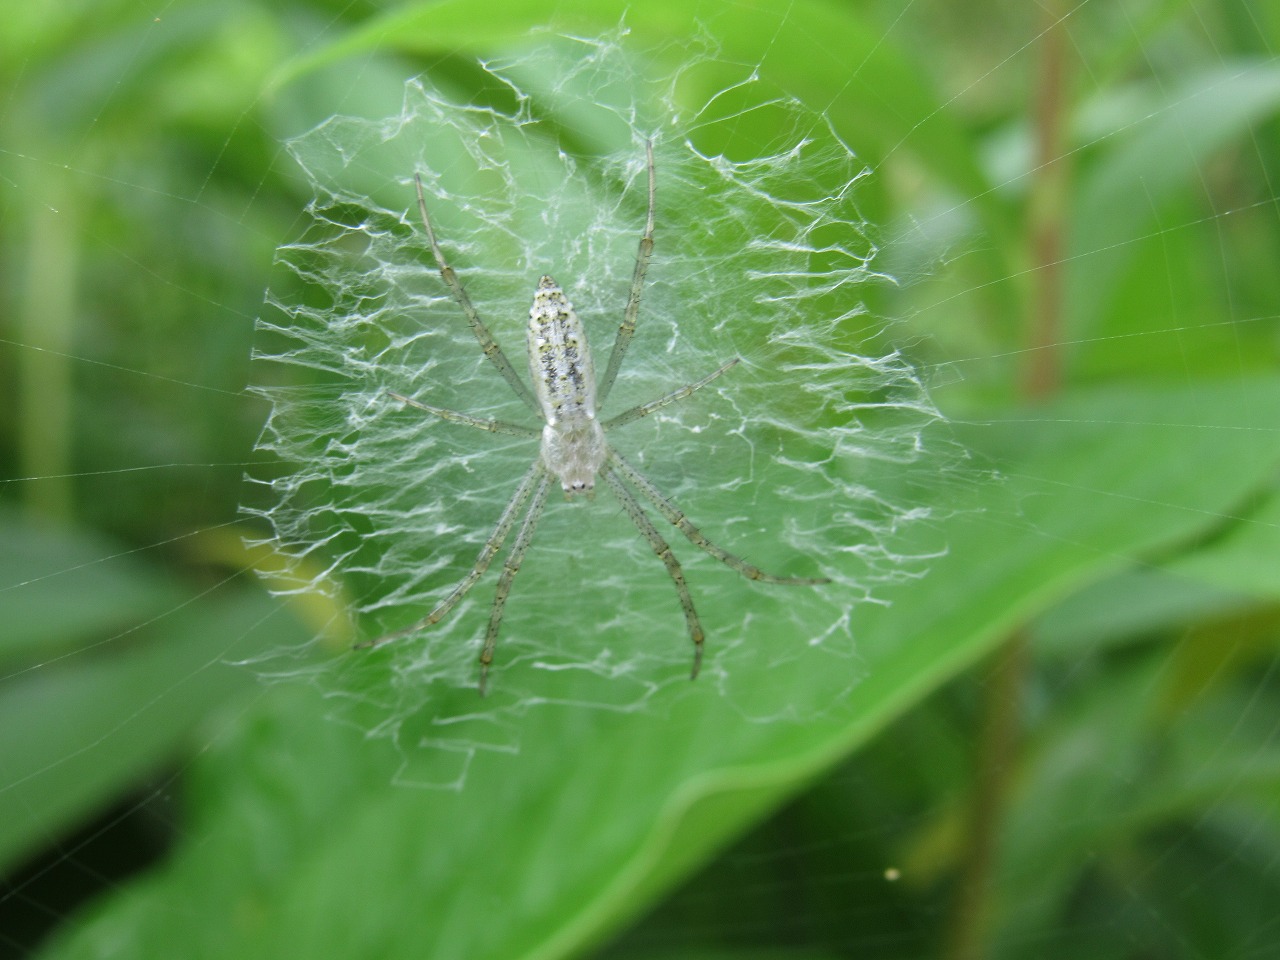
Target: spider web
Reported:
[(784, 461), (143, 193)]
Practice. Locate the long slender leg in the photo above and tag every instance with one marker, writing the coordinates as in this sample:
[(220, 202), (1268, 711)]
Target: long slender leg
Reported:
[(537, 474), (492, 426), (509, 571), (660, 547), (487, 343), (628, 327), (681, 522), (635, 413)]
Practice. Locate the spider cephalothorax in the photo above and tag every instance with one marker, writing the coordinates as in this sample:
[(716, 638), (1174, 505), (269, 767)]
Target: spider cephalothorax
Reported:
[(574, 448)]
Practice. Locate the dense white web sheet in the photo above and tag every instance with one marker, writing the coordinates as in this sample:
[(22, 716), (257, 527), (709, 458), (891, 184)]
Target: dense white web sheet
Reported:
[(760, 257)]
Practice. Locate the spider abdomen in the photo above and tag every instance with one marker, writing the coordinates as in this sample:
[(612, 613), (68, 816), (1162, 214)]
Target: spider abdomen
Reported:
[(564, 382)]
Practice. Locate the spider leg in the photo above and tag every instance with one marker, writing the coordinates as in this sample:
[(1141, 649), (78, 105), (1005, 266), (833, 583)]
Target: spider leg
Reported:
[(536, 473), (492, 426), (694, 535), (635, 413), (628, 327), (487, 343), (660, 547), (511, 568)]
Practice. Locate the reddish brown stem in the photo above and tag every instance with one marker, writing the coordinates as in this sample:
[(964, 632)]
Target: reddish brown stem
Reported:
[(974, 902)]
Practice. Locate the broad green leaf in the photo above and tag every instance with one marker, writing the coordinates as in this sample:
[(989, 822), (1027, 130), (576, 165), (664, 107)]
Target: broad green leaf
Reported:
[(1130, 606), (1152, 158), (311, 839), (61, 588), (85, 727), (1247, 559)]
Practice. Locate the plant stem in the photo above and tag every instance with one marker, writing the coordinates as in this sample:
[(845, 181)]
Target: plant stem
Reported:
[(974, 902), (46, 318), (999, 739), (1047, 215)]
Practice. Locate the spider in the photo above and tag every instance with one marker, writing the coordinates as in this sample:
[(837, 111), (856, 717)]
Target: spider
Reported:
[(573, 445)]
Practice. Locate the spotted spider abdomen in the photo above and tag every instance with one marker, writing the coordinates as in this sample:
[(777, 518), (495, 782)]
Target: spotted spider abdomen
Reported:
[(564, 382)]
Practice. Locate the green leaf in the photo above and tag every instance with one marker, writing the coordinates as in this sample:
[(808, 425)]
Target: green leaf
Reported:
[(1156, 152), (1244, 558), (60, 588), (1211, 766), (313, 841), (1130, 606), (94, 723)]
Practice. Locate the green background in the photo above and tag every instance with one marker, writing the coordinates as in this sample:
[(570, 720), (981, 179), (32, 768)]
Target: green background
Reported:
[(1066, 741)]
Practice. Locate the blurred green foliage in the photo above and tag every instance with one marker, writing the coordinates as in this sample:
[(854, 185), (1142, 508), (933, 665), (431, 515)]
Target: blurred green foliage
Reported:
[(1131, 540)]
